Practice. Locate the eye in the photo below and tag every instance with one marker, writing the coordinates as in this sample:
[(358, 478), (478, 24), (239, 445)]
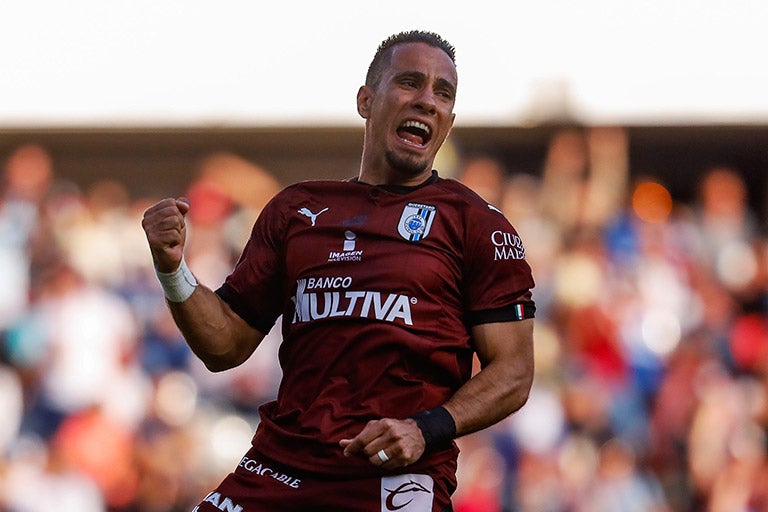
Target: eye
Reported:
[(410, 80)]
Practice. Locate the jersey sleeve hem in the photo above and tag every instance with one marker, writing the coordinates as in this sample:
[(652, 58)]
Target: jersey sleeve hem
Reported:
[(228, 295)]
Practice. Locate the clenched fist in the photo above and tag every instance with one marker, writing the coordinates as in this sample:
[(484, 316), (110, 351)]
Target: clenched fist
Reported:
[(166, 232), (389, 443)]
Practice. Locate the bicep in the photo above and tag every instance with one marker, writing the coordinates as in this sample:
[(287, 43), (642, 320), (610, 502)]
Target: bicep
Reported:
[(215, 333), (505, 342), (505, 350)]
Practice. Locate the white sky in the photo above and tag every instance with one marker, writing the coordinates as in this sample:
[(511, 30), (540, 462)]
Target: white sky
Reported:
[(249, 62)]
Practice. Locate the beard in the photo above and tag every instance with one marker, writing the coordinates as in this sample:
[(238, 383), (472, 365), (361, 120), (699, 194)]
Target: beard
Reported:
[(406, 165)]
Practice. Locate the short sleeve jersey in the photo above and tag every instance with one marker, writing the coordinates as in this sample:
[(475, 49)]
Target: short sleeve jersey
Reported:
[(379, 288)]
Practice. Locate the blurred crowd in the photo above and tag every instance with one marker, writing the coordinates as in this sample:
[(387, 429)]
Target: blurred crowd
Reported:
[(651, 387)]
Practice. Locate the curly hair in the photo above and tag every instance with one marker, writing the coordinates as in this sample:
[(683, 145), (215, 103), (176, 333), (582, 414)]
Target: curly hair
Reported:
[(383, 54)]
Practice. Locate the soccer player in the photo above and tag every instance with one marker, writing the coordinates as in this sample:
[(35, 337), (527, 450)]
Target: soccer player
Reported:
[(388, 283)]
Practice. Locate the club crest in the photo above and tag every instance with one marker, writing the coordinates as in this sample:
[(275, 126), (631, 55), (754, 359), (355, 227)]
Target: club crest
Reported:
[(416, 221)]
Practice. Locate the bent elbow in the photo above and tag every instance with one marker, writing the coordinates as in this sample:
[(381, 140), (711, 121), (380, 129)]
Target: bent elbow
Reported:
[(217, 366), (520, 399), (219, 363), (234, 353), (519, 393)]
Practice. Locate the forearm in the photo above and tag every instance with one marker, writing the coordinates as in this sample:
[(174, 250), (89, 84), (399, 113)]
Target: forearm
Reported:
[(490, 396), (218, 336)]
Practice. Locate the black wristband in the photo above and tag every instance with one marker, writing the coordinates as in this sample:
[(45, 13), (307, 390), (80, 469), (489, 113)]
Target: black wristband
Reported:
[(437, 426)]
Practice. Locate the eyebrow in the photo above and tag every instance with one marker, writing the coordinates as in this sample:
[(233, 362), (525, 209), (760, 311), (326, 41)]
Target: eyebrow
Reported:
[(446, 84), (418, 75)]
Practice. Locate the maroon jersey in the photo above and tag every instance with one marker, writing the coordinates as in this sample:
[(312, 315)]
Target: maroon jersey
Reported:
[(378, 287)]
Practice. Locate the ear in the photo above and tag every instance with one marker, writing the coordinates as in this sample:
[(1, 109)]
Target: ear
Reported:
[(450, 128), (364, 100)]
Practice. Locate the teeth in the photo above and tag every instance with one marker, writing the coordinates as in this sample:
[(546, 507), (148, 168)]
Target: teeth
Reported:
[(416, 124)]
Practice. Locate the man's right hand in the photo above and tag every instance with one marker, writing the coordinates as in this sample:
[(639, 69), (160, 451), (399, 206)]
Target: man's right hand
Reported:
[(166, 232)]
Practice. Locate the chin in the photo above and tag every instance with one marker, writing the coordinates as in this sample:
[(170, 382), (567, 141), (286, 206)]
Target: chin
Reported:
[(408, 165)]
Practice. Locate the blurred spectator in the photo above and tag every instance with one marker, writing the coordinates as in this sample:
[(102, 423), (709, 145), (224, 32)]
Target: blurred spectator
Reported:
[(95, 241), (163, 349), (482, 477), (100, 448), (726, 229), (11, 408), (40, 480), (563, 178), (620, 486), (26, 177), (85, 341), (227, 194), (486, 177)]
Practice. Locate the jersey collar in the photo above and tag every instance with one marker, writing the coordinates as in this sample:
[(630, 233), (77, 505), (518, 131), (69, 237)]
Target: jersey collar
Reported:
[(403, 189)]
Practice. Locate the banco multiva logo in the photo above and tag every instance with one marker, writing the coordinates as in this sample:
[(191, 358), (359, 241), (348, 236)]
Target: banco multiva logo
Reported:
[(327, 297), (507, 246)]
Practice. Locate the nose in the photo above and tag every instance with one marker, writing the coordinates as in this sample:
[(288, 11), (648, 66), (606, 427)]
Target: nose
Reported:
[(425, 101)]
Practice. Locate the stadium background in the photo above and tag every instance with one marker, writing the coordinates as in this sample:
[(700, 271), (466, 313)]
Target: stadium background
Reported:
[(632, 160)]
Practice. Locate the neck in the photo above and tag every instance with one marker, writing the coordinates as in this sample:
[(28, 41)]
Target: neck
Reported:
[(393, 178), (381, 171)]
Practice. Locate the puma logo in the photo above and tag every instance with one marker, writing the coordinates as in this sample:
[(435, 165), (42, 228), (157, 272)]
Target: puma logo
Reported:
[(312, 216)]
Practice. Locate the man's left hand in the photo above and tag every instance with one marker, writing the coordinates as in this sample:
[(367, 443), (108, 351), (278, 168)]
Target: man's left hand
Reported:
[(388, 443)]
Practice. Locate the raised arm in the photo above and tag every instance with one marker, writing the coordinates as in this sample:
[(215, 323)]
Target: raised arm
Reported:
[(217, 335)]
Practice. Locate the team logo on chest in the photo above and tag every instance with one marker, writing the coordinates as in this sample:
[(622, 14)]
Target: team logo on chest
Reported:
[(416, 221)]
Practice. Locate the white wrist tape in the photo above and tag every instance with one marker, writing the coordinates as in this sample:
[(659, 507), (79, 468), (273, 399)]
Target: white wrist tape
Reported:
[(179, 284)]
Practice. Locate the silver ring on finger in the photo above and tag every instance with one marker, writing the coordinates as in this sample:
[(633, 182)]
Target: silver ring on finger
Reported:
[(383, 457)]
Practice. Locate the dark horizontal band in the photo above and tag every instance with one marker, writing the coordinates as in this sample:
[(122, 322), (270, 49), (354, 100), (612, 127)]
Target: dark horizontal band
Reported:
[(437, 426), (512, 312)]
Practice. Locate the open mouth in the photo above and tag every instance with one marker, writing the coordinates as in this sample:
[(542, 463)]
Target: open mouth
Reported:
[(414, 132)]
